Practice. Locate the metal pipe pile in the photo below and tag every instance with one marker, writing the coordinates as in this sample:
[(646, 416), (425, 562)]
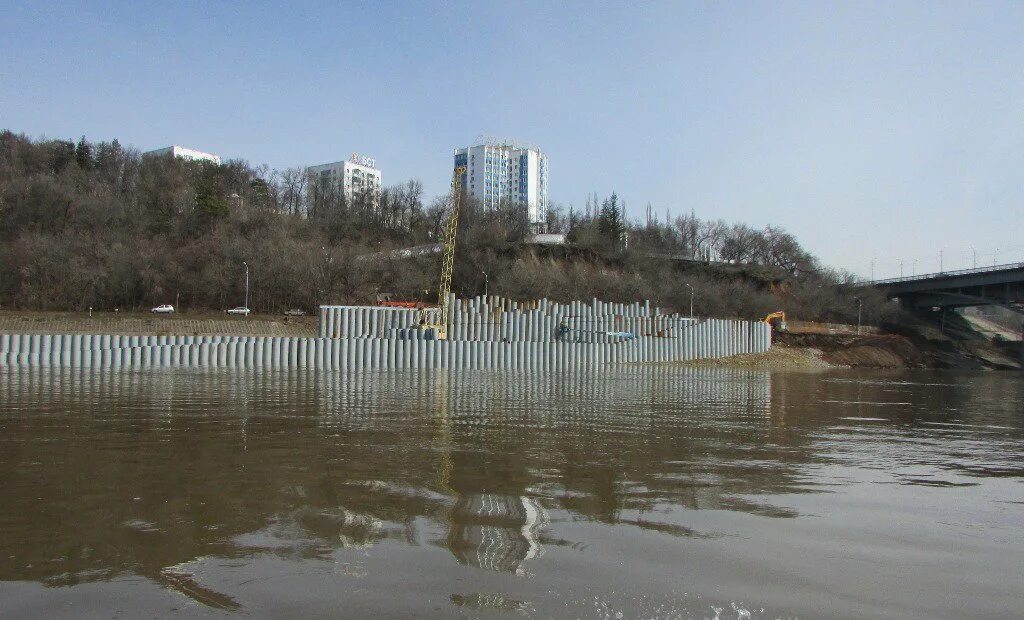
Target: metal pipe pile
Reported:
[(484, 333)]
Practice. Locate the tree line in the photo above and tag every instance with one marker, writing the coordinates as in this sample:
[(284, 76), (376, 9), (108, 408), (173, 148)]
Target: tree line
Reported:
[(96, 224)]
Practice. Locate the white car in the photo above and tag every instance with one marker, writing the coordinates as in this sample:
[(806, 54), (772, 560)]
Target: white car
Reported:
[(239, 310), (164, 309)]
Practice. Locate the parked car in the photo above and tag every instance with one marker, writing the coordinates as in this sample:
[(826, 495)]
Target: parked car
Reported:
[(164, 309), (295, 312), (239, 310)]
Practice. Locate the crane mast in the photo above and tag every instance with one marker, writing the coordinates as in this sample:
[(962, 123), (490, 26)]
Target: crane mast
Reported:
[(451, 227)]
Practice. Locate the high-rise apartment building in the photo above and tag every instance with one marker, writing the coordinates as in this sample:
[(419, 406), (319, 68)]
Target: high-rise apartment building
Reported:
[(355, 175), (184, 153), (502, 171)]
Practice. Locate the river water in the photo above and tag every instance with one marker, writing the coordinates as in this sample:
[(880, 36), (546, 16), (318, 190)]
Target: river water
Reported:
[(641, 492)]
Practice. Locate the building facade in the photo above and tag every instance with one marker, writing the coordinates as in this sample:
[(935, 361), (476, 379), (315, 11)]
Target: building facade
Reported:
[(503, 171), (184, 153), (355, 175)]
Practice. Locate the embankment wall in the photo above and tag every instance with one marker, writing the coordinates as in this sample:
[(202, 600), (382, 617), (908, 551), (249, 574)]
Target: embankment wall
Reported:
[(483, 334)]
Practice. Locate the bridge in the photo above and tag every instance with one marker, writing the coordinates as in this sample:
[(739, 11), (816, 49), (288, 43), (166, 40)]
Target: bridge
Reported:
[(1000, 285)]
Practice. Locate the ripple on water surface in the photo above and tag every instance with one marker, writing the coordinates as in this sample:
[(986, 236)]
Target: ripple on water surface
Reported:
[(636, 492)]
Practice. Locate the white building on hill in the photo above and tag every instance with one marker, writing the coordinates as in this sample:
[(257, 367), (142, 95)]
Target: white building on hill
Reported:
[(184, 153), (500, 171), (356, 175)]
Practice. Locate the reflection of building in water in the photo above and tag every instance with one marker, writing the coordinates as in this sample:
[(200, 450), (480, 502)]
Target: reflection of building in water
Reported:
[(496, 532), (294, 459), (491, 530)]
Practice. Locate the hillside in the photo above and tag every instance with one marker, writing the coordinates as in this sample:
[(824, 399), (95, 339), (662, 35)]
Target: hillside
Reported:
[(97, 225)]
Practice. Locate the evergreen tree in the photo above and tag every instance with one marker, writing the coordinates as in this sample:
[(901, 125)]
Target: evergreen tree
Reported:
[(83, 154), (610, 221)]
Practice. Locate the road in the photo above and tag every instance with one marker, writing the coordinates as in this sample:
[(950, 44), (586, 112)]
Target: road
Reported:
[(145, 323)]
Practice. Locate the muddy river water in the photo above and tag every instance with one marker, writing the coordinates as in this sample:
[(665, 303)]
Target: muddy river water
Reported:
[(641, 492)]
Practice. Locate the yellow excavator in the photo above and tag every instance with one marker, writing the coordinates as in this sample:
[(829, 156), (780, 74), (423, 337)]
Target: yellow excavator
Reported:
[(777, 320), (437, 319)]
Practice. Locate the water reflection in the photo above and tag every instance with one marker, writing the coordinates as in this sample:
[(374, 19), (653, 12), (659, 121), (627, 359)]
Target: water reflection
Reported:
[(144, 473), (153, 469)]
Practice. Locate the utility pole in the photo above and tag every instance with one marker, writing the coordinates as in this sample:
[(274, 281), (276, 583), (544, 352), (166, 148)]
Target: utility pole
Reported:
[(246, 287), (940, 262), (872, 270), (860, 304), (974, 258), (901, 270)]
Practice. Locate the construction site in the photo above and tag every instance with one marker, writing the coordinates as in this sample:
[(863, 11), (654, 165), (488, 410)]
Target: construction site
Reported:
[(480, 333), (486, 332)]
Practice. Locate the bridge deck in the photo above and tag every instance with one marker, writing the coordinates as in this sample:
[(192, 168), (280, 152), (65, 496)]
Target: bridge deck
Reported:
[(1001, 285)]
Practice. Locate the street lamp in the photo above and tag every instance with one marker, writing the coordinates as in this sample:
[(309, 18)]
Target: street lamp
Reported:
[(246, 286), (691, 297)]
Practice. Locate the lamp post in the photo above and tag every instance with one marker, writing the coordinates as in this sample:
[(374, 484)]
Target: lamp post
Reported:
[(691, 297), (246, 286)]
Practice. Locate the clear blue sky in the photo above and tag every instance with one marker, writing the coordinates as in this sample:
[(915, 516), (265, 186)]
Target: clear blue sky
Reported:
[(869, 130)]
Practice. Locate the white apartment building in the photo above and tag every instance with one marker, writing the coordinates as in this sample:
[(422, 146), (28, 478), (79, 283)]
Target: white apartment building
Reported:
[(500, 171), (184, 153), (355, 175)]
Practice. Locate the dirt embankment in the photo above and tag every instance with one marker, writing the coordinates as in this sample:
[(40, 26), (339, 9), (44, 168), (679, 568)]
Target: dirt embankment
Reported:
[(822, 351), (915, 347), (776, 358), (918, 346), (872, 351)]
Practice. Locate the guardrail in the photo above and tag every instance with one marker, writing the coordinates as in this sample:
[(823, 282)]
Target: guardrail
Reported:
[(944, 274)]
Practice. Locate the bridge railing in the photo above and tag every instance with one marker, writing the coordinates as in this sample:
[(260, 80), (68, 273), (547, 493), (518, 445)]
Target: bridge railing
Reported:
[(944, 274)]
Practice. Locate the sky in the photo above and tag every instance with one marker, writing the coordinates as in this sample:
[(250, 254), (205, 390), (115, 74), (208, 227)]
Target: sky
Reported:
[(880, 134)]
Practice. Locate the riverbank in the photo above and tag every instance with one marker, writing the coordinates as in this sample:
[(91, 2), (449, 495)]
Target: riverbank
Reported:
[(806, 347), (822, 351), (778, 358)]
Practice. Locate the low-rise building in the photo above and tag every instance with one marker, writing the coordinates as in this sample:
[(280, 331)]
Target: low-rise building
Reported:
[(184, 153)]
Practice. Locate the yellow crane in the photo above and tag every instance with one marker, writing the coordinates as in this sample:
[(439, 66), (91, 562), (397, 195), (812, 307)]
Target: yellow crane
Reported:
[(451, 227)]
